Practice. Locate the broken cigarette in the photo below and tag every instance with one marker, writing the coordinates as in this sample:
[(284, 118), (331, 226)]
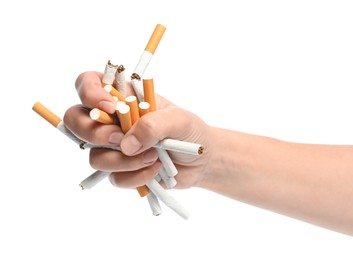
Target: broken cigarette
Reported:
[(145, 59), (109, 74), (101, 116), (167, 199), (93, 179), (120, 81), (55, 121), (114, 92), (131, 101)]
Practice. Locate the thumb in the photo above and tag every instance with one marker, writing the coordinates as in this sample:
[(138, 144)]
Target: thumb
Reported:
[(171, 122)]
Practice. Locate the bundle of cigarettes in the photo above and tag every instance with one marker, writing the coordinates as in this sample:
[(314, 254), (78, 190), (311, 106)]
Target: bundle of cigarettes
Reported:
[(128, 111)]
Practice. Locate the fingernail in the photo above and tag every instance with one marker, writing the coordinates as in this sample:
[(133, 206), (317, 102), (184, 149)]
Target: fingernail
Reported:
[(115, 137), (130, 145), (107, 106), (150, 156), (112, 179)]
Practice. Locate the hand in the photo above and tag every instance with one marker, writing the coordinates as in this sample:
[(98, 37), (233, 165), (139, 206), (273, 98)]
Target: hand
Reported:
[(138, 163)]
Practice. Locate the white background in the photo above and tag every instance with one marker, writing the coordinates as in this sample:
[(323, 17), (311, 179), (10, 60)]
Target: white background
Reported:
[(276, 68)]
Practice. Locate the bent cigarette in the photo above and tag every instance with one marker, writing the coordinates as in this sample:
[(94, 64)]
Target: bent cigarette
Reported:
[(131, 101), (109, 74), (114, 92), (101, 116), (167, 199), (93, 179), (120, 81)]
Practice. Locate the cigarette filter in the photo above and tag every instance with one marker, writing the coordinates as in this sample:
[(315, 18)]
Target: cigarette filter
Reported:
[(155, 38), (44, 112), (144, 108), (148, 92), (131, 101), (101, 116), (55, 121), (109, 74), (114, 92), (167, 199), (124, 117)]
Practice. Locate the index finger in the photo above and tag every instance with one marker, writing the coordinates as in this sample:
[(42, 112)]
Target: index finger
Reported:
[(92, 94)]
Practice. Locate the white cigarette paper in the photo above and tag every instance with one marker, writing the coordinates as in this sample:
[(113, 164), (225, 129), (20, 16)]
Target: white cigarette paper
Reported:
[(168, 164), (62, 128), (142, 65), (93, 179), (167, 199), (109, 74), (169, 182), (138, 88), (154, 204), (120, 79), (180, 146)]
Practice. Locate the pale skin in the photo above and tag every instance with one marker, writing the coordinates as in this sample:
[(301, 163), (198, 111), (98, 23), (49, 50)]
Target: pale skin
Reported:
[(309, 182)]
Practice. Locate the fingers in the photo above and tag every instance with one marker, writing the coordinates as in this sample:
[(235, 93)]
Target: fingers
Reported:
[(77, 120), (114, 161), (135, 178), (156, 126), (92, 94)]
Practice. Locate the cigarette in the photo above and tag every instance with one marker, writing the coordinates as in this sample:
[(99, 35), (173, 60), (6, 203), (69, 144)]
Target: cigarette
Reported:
[(131, 101), (101, 116), (56, 121), (93, 179), (120, 81), (180, 146), (146, 57), (114, 92), (109, 74), (149, 96), (166, 144), (169, 182), (154, 204), (124, 117), (144, 108), (138, 88), (167, 162), (44, 112), (167, 199), (148, 93)]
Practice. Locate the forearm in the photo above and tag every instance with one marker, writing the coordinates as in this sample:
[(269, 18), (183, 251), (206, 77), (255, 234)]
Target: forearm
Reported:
[(313, 183)]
